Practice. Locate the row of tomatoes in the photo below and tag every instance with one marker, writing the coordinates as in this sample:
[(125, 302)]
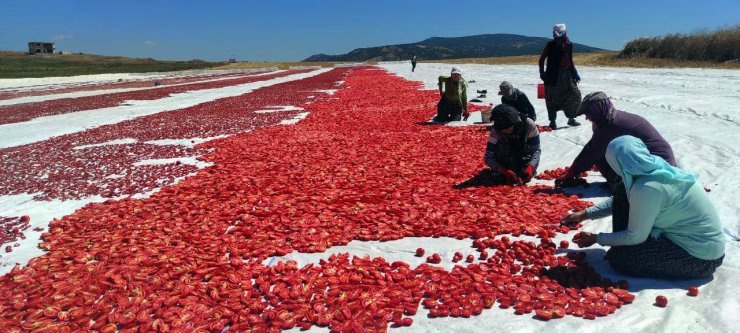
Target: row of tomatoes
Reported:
[(11, 229), (556, 173), (10, 93), (56, 170), (27, 111), (360, 167)]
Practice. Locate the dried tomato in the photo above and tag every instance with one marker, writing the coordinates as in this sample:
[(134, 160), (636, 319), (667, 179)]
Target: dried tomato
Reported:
[(191, 256)]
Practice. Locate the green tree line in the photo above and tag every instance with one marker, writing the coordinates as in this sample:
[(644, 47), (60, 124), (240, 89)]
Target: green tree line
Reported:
[(721, 45)]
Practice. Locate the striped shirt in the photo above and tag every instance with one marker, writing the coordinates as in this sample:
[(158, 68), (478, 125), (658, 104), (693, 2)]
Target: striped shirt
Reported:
[(529, 155)]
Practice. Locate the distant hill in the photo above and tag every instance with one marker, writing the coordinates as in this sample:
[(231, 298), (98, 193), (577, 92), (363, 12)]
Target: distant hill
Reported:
[(438, 48)]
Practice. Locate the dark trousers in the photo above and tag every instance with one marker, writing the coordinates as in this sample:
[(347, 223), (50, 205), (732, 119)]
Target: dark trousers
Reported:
[(413, 65), (565, 96), (620, 205), (448, 111), (656, 257), (620, 208)]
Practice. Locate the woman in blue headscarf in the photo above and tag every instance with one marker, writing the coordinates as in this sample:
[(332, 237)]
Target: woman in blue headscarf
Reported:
[(673, 229)]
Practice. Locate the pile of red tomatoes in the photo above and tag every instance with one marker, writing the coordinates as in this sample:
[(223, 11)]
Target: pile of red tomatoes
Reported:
[(363, 166)]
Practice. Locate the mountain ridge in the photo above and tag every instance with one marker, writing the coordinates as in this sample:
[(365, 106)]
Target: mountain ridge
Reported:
[(440, 48)]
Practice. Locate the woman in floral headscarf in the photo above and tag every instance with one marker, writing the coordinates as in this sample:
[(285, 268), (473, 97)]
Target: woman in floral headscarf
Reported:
[(560, 77), (673, 230), (608, 123)]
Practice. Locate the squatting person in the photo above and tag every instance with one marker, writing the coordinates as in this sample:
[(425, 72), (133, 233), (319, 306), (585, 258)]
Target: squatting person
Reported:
[(513, 149), (672, 228), (517, 99), (453, 97), (608, 123)]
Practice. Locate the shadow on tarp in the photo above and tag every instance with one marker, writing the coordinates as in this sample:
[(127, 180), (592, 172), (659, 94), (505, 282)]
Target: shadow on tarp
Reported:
[(595, 258), (594, 190), (483, 178)]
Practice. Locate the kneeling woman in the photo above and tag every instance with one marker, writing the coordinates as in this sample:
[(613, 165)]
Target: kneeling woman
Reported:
[(673, 230), (513, 150)]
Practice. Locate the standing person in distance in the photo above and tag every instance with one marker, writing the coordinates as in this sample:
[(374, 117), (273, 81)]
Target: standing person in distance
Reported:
[(561, 77), (453, 97), (413, 63)]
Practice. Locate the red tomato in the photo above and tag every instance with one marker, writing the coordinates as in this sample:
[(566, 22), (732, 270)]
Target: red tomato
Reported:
[(558, 312), (434, 259), (693, 291), (543, 314), (661, 301)]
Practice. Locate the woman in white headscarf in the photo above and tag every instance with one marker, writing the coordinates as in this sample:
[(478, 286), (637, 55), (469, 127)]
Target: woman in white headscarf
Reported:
[(673, 229), (453, 97), (560, 77)]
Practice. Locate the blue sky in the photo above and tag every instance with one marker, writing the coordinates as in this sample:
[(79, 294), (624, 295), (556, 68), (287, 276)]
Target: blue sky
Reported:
[(293, 30)]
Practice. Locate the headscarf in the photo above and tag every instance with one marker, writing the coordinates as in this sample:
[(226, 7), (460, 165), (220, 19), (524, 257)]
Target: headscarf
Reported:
[(506, 90), (504, 116), (598, 108), (562, 40), (559, 28), (629, 158)]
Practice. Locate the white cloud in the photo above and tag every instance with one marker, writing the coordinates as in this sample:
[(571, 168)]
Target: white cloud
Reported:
[(150, 42), (62, 37)]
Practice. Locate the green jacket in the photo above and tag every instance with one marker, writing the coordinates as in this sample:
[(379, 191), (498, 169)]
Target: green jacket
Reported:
[(454, 92)]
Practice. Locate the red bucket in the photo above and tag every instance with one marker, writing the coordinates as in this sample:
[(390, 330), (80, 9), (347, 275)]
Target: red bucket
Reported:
[(541, 90)]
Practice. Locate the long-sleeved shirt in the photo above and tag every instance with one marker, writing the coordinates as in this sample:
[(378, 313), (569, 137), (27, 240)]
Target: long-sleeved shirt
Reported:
[(624, 123), (454, 91), (509, 156), (558, 57), (681, 212), (521, 103)]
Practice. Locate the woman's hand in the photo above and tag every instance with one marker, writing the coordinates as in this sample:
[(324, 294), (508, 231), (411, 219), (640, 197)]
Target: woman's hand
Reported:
[(528, 173), (584, 239), (509, 175), (574, 218)]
